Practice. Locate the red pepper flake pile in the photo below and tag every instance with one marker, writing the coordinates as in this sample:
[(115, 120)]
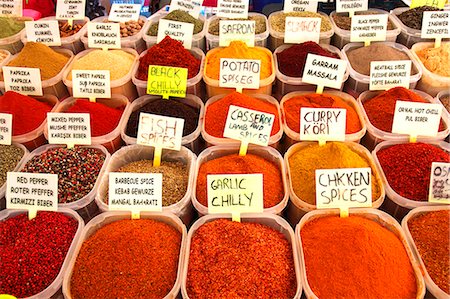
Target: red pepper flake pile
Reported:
[(407, 167), (33, 251), (431, 234), (77, 170), (168, 52), (127, 259), (240, 260), (104, 119)]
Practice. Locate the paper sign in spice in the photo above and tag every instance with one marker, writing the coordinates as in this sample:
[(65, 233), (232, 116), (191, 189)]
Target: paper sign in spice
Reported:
[(232, 9), (70, 9), (300, 5), (69, 128), (239, 73), (230, 30), (299, 30), (104, 35), (415, 119), (235, 194), (436, 24), (23, 80), (5, 128), (193, 7), (322, 124), (385, 75), (439, 183), (167, 81), (46, 32), (343, 188), (351, 6), (435, 3), (324, 71), (121, 12), (11, 8), (368, 28), (91, 84), (32, 191), (180, 31), (135, 192)]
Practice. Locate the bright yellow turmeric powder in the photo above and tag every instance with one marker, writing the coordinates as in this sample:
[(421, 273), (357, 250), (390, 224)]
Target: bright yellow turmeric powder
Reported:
[(238, 50), (304, 162)]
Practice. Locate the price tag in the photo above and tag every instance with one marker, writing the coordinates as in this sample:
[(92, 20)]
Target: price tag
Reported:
[(351, 6), (160, 132), (300, 5), (385, 75), (239, 73), (415, 119), (167, 81), (104, 35), (439, 183), (435, 3), (236, 30), (232, 9), (343, 189), (180, 31), (69, 128), (235, 194), (322, 124), (5, 128), (368, 28), (436, 24), (193, 7), (299, 30), (121, 12), (23, 80), (248, 126), (32, 191), (324, 71), (70, 9), (91, 84), (11, 8), (135, 192)]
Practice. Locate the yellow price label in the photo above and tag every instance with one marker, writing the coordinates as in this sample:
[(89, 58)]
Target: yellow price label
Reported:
[(435, 3), (167, 81)]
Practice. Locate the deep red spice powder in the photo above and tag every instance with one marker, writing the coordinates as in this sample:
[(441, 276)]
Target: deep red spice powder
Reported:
[(407, 167), (104, 119), (32, 251), (168, 52), (28, 113)]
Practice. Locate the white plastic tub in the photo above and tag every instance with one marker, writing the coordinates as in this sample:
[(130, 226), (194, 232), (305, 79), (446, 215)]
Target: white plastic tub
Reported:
[(3, 187), (13, 44)]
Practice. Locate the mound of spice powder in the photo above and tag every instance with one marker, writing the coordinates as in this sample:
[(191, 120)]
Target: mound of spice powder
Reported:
[(305, 160), (171, 108), (240, 260), (291, 61), (407, 167), (77, 170), (431, 234), (127, 259), (357, 250), (344, 21), (10, 156), (10, 26), (436, 60), (380, 109), (412, 18), (168, 52), (273, 191), (179, 16), (28, 113), (217, 112), (33, 251), (292, 107), (260, 24), (103, 119)]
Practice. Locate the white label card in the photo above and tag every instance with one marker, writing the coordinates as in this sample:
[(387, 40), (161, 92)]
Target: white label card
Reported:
[(439, 183), (193, 7), (299, 30), (135, 192), (70, 9), (91, 84), (367, 28), (239, 73), (385, 75), (324, 71), (46, 32), (23, 80), (124, 12), (351, 5), (6, 128), (32, 191), (322, 124), (11, 8), (416, 118), (69, 128), (232, 9), (248, 125), (104, 35), (230, 30), (180, 31), (160, 131), (300, 5), (436, 24)]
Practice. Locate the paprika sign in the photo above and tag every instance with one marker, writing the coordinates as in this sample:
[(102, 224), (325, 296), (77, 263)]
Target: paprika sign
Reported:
[(439, 183), (5, 128), (322, 124), (167, 81), (23, 80), (91, 84), (240, 73)]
